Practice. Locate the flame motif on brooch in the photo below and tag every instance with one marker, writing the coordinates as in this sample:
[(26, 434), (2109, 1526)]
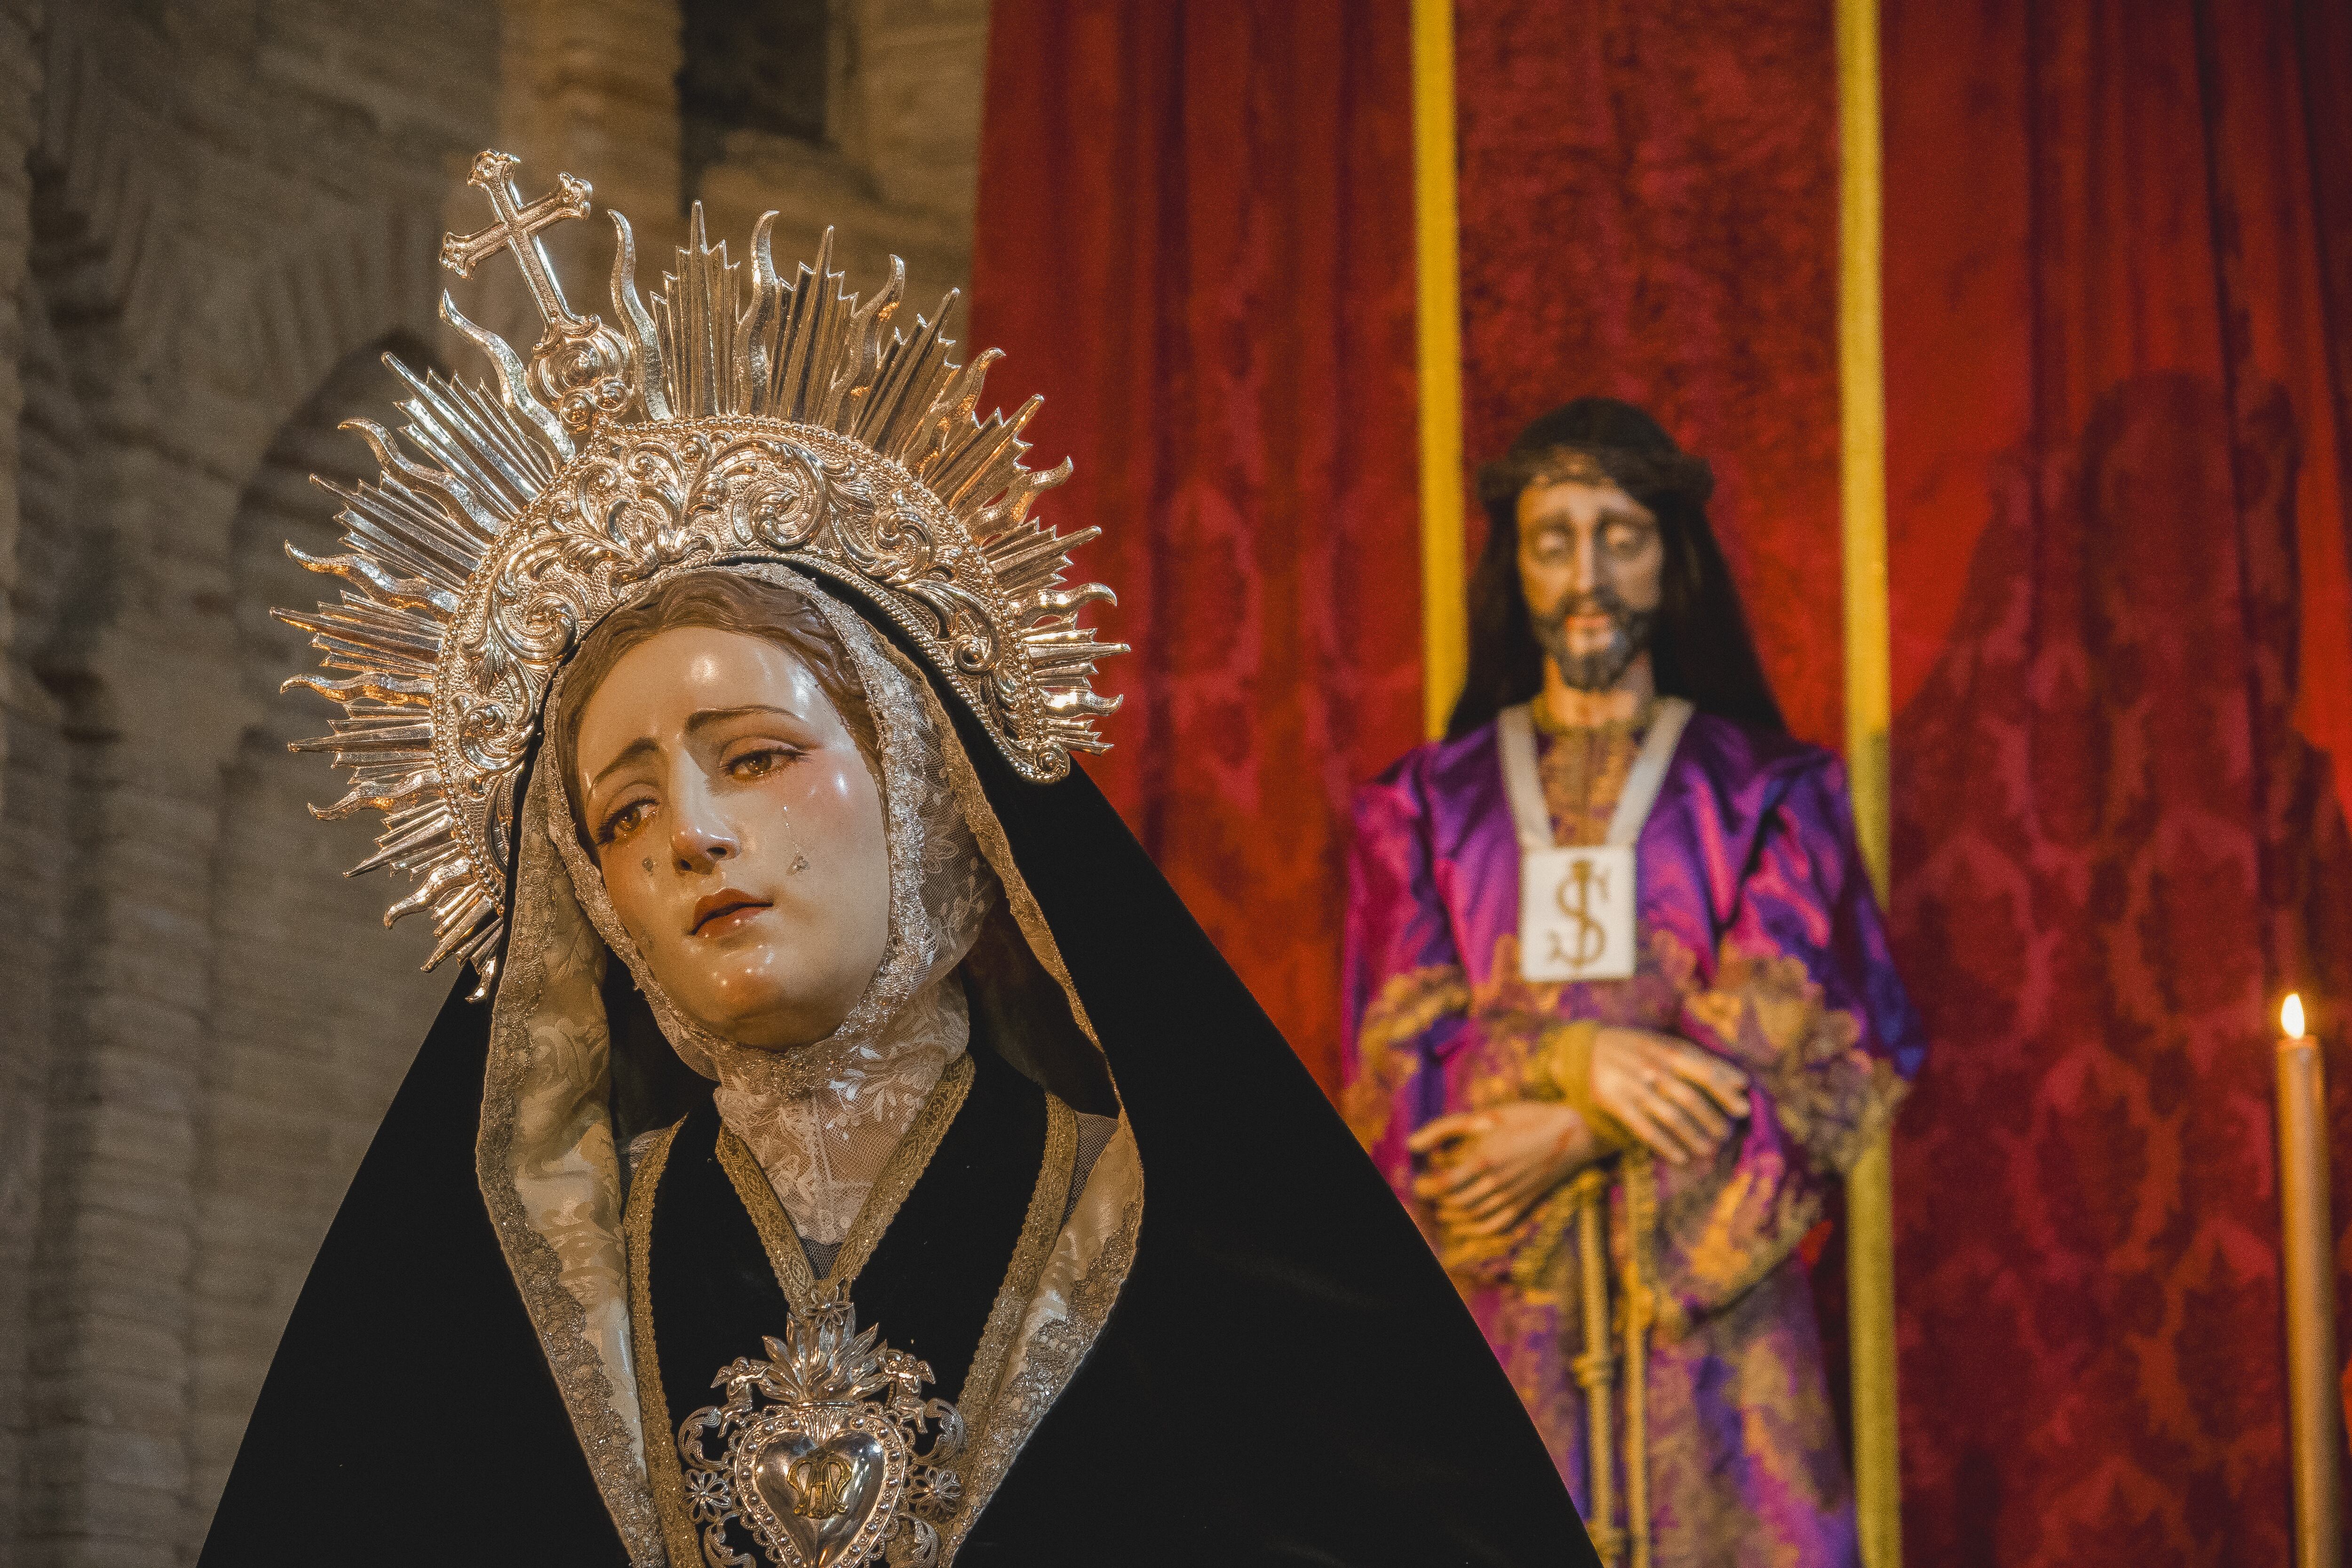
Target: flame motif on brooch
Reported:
[(817, 1452), (797, 425)]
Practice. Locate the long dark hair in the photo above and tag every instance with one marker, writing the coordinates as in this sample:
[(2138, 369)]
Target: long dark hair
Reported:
[(1700, 648)]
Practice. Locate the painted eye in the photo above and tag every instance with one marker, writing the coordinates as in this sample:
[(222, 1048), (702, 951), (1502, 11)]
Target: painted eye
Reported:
[(625, 821), (761, 762)]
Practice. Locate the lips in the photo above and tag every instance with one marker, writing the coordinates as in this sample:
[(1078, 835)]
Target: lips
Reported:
[(723, 911)]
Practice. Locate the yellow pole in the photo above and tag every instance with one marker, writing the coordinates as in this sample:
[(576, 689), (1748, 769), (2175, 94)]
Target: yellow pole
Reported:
[(1862, 421), (1437, 273)]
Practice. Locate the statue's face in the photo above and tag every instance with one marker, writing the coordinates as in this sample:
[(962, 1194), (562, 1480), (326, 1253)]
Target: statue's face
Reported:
[(739, 832), (1591, 563)]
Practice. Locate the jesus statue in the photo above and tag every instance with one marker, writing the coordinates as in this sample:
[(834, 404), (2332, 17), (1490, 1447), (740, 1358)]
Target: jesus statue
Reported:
[(1621, 1007)]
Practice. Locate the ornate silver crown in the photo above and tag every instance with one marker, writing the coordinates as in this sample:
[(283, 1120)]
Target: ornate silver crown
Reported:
[(799, 426)]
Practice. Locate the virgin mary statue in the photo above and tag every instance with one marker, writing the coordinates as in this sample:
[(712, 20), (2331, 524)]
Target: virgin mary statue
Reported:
[(851, 1150)]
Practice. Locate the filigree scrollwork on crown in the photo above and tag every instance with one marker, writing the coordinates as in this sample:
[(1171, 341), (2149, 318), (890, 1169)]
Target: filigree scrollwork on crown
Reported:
[(635, 505)]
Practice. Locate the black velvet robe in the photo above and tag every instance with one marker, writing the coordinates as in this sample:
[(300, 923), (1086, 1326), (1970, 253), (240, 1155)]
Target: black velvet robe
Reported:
[(1288, 1377)]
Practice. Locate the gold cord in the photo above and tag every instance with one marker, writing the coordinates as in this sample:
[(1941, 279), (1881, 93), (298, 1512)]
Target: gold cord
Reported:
[(1640, 1312), (1597, 1367)]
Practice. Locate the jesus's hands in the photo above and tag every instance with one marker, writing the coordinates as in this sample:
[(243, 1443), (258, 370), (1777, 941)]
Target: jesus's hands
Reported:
[(1680, 1100), (1489, 1167), (1495, 1164)]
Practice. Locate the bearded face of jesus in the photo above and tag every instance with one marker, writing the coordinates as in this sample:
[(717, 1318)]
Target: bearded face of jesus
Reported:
[(1592, 565)]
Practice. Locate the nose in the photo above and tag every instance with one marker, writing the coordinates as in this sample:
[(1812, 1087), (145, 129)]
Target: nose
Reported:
[(699, 848), (1584, 573), (702, 837)]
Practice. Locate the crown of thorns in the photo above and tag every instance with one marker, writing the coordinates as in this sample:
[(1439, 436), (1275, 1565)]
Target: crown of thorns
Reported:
[(1645, 474)]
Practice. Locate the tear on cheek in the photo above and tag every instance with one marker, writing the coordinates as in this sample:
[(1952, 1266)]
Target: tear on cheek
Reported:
[(800, 863)]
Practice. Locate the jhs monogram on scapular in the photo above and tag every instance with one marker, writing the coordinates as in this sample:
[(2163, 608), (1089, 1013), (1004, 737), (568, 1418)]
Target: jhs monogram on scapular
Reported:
[(1576, 913), (1576, 905)]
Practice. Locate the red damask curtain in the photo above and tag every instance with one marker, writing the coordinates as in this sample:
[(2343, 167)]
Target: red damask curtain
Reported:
[(1196, 241), (2115, 297), (1649, 210)]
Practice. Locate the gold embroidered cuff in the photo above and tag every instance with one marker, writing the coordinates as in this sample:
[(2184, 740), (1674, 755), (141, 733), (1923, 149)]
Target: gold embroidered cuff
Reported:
[(1561, 1070), (1411, 1005)]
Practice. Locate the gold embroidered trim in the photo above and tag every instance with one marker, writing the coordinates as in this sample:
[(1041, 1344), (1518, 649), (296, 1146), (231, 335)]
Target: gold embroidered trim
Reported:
[(542, 935), (1051, 1352), (905, 1167), (781, 1243), (1038, 1227), (1408, 1006), (1828, 1096), (1583, 771), (662, 1467), (1735, 1251), (1043, 1362)]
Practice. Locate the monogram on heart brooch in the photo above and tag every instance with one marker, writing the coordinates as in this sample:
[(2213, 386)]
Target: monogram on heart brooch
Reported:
[(816, 1452)]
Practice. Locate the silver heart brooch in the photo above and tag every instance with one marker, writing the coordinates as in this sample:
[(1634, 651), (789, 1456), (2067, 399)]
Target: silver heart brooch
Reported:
[(816, 1451)]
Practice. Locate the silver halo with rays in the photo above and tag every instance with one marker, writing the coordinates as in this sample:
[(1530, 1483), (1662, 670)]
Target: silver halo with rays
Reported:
[(799, 427)]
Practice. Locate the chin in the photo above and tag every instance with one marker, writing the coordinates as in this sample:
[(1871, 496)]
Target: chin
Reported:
[(755, 1010)]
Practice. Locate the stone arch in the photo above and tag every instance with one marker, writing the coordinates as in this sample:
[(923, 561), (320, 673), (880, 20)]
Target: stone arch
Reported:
[(315, 1009), (98, 157), (305, 313), (194, 284)]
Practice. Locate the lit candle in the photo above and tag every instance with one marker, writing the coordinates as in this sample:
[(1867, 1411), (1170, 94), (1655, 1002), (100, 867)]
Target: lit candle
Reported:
[(2310, 1248)]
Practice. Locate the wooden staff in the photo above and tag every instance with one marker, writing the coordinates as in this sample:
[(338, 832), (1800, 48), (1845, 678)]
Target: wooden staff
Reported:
[(1640, 1311), (1596, 1369)]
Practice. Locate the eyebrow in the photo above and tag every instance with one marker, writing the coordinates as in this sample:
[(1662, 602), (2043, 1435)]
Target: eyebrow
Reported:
[(703, 716), (629, 754), (700, 719)]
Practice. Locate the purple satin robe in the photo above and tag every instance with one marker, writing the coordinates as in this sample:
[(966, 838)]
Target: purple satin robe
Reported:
[(1760, 940)]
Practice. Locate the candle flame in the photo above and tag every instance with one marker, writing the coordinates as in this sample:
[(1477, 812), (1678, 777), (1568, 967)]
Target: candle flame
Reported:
[(2291, 1015)]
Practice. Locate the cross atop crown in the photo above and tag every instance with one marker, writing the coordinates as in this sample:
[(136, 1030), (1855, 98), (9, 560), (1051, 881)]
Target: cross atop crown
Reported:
[(516, 229), (583, 368)]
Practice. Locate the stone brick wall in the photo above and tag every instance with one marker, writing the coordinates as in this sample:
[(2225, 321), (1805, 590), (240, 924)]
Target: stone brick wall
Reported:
[(24, 1050), (213, 215), (899, 176)]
